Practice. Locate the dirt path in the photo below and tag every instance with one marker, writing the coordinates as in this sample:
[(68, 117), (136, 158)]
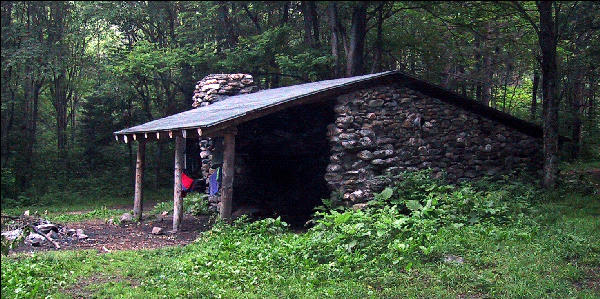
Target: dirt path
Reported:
[(108, 237)]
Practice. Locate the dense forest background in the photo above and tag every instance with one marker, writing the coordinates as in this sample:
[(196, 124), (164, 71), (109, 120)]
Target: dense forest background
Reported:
[(74, 72)]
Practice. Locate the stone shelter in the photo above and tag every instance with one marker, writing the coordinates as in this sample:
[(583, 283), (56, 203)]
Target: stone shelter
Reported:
[(285, 149)]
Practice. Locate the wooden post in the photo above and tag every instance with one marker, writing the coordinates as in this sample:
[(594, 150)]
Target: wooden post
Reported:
[(228, 173), (139, 180), (177, 200)]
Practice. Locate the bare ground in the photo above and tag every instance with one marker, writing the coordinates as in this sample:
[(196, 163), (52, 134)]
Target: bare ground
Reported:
[(106, 237)]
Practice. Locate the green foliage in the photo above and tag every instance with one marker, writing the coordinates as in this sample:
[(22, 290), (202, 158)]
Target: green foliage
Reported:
[(161, 207), (310, 65), (23, 278), (6, 244), (101, 213), (194, 203), (520, 246), (8, 183)]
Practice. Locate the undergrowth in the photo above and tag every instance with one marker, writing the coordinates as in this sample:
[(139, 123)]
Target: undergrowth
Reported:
[(193, 203), (512, 239)]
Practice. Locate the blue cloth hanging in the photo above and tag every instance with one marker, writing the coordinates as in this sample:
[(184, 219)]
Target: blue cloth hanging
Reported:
[(213, 182)]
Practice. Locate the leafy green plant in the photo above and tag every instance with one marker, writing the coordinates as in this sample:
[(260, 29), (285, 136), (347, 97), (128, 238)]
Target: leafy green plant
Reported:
[(6, 244), (194, 203), (519, 244), (197, 204), (161, 207)]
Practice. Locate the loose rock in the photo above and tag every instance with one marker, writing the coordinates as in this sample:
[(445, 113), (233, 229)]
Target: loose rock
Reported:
[(35, 239), (126, 217), (80, 235), (453, 259), (12, 234), (157, 230)]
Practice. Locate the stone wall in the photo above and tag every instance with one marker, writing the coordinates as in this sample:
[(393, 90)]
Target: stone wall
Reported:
[(390, 129)]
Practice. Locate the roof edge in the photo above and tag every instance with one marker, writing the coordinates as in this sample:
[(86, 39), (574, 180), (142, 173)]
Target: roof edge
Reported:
[(410, 81)]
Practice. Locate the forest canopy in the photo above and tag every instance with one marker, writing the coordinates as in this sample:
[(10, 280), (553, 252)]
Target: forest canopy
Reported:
[(74, 72)]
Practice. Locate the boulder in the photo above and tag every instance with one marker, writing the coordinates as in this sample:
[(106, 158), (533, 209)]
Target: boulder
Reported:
[(157, 230)]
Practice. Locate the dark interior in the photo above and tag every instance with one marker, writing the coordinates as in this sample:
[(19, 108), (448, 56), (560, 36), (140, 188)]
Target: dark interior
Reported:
[(281, 161)]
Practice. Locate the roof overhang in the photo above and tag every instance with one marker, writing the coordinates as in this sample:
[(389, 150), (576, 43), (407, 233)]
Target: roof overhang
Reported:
[(214, 119)]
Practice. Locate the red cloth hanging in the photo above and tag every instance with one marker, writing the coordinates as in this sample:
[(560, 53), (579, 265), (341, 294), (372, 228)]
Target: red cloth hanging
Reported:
[(186, 182)]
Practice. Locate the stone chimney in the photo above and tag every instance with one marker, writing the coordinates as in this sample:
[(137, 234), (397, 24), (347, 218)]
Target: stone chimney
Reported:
[(211, 89), (216, 87)]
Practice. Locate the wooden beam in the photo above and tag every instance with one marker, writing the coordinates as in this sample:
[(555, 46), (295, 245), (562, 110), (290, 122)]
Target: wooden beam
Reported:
[(177, 200), (151, 136), (139, 180), (228, 173)]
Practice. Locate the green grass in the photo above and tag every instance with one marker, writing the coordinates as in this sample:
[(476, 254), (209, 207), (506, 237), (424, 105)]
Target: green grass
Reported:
[(86, 206), (526, 247)]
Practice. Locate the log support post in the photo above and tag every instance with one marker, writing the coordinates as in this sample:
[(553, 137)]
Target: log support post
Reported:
[(177, 200), (139, 180), (228, 173)]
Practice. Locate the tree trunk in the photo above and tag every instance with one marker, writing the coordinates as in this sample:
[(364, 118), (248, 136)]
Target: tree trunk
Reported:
[(59, 102), (377, 56), (188, 84), (548, 41), (591, 112), (486, 88), (7, 129), (487, 72), (355, 59), (73, 101), (32, 90), (59, 84), (478, 76), (314, 20), (311, 25), (536, 80), (226, 23), (576, 105), (333, 25), (285, 12)]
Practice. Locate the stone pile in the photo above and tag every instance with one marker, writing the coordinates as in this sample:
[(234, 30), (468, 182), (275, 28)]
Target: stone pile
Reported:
[(42, 232), (382, 131), (216, 87)]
